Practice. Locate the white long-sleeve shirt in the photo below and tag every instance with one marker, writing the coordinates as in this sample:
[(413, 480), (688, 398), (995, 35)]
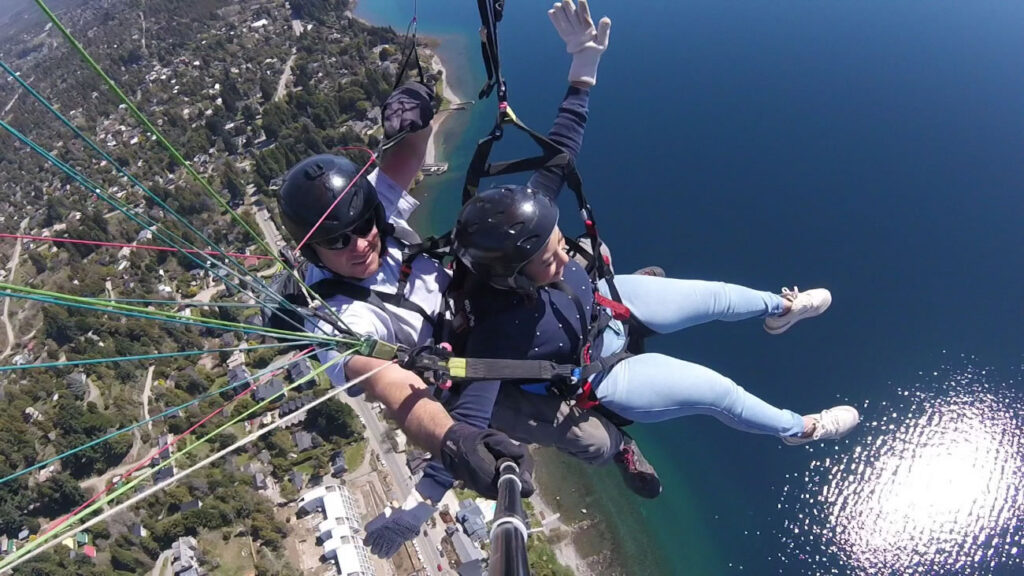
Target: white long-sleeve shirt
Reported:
[(426, 287)]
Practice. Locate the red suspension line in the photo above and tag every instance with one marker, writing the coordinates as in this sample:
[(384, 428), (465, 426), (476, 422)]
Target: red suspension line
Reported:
[(133, 246)]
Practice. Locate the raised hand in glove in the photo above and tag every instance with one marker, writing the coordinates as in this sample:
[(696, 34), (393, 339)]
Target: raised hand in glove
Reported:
[(393, 527), (472, 455), (582, 40)]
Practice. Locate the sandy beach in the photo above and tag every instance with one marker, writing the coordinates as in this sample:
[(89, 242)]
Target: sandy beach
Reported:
[(450, 97), (564, 550)]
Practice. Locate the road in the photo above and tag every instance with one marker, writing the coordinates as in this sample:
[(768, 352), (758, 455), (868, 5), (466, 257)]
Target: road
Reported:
[(12, 267), (159, 568), (145, 397), (399, 474), (270, 232), (282, 84), (11, 103), (210, 292)]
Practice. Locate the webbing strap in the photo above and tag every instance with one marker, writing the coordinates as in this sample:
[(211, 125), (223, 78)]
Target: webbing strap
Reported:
[(491, 12), (411, 53), (329, 287), (494, 369)]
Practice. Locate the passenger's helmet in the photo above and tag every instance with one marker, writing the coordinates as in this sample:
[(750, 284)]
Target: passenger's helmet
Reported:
[(500, 229), (309, 190)]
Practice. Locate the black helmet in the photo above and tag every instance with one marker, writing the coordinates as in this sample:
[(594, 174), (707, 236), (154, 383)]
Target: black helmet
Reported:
[(309, 190), (500, 229)]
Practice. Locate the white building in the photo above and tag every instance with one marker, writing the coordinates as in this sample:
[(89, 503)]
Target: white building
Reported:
[(340, 532)]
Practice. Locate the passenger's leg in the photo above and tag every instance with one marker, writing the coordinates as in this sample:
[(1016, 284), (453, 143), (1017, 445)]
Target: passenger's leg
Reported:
[(583, 434), (550, 421), (668, 304), (655, 387)]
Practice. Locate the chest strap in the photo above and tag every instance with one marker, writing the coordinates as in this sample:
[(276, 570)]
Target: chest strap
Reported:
[(329, 287)]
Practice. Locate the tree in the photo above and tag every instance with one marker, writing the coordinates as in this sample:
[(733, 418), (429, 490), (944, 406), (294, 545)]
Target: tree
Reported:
[(58, 495), (332, 419), (268, 88), (122, 559)]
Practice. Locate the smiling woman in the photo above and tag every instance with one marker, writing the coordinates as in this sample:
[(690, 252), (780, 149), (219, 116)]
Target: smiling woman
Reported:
[(938, 491)]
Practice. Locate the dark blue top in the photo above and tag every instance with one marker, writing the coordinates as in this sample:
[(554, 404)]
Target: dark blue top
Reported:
[(507, 325)]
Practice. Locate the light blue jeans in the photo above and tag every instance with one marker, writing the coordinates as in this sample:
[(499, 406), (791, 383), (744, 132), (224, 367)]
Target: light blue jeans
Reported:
[(655, 387)]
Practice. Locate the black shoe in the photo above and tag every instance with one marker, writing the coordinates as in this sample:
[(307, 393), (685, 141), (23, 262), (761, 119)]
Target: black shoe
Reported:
[(636, 471)]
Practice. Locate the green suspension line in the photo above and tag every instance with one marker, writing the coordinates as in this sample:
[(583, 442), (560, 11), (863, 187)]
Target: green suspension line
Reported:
[(195, 400), (70, 523), (170, 148), (135, 311)]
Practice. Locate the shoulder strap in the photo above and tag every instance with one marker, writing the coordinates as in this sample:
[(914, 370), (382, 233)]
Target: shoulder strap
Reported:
[(329, 287)]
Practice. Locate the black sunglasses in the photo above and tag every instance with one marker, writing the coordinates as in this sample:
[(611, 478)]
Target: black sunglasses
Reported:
[(342, 241)]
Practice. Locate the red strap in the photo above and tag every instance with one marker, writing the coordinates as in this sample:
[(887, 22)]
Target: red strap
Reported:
[(619, 310), (586, 400)]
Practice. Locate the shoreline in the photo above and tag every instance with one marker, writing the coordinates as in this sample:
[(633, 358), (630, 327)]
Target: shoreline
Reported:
[(432, 156), (565, 551)]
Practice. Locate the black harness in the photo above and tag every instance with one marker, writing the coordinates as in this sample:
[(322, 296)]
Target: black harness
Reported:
[(438, 363)]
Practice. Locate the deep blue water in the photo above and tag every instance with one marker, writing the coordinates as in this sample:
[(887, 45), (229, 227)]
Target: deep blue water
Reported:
[(873, 148)]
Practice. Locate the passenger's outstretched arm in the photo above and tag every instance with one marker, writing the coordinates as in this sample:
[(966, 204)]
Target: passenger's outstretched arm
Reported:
[(567, 133), (586, 43)]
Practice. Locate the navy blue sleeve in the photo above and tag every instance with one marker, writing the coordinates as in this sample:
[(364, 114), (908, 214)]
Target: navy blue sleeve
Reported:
[(473, 406), (475, 403), (567, 133)]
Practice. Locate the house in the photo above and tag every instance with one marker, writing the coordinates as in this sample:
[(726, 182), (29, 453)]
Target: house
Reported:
[(417, 460), (78, 384), (338, 465), (399, 442), (164, 473), (292, 406), (305, 441), (274, 389), (339, 531), (238, 380), (165, 446), (472, 519), (468, 557), (228, 340), (192, 505), (296, 479), (299, 370), (89, 551), (263, 457), (259, 481), (82, 538), (185, 557), (31, 415), (138, 530)]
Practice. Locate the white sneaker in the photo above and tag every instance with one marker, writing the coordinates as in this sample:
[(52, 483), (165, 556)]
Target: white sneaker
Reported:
[(805, 305), (833, 423)]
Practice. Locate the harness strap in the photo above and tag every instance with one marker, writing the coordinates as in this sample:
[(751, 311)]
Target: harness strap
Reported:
[(329, 287), (494, 369), (411, 53), (619, 310), (491, 12)]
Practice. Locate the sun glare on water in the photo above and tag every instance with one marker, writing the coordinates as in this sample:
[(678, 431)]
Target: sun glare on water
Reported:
[(934, 484)]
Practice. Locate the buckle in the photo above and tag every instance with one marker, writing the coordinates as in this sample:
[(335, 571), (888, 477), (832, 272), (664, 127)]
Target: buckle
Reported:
[(585, 400)]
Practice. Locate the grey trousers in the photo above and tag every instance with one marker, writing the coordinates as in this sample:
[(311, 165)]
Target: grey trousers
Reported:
[(550, 421)]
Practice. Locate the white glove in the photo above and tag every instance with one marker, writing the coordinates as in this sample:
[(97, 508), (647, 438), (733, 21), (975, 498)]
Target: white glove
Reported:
[(585, 43), (392, 528)]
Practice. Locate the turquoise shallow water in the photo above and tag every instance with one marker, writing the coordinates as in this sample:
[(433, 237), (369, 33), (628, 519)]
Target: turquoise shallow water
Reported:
[(873, 148)]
